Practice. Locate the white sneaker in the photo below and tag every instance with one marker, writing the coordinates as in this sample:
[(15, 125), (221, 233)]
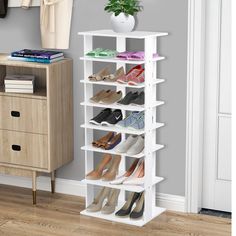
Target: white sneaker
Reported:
[(137, 147), (125, 146)]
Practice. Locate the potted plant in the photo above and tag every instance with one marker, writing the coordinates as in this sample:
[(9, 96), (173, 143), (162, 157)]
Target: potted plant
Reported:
[(123, 11)]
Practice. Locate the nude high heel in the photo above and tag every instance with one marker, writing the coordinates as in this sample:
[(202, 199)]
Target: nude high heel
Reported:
[(137, 178), (127, 174), (113, 169), (98, 200), (99, 76), (112, 201), (97, 173)]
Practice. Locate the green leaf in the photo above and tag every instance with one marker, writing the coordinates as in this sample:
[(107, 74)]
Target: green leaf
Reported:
[(126, 6)]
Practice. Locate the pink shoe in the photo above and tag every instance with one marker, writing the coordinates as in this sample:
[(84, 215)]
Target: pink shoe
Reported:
[(140, 56), (124, 55), (134, 72), (140, 78)]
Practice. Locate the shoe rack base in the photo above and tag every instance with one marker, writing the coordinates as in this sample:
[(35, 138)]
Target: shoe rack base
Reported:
[(124, 220), (151, 124)]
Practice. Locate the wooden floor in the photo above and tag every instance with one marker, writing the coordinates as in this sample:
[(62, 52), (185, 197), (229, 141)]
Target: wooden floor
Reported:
[(59, 215)]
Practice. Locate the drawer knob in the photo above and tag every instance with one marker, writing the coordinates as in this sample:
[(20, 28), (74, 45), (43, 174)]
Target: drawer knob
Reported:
[(16, 148), (15, 113)]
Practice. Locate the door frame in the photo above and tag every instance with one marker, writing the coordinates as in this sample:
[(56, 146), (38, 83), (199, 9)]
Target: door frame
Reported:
[(195, 105)]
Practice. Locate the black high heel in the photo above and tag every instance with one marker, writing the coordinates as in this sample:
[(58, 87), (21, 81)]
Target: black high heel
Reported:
[(126, 209), (139, 209)]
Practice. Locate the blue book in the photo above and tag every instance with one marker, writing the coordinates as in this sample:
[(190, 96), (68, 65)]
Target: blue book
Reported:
[(25, 59), (40, 54)]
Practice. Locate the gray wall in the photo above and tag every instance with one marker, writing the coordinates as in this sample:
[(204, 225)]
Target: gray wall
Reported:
[(21, 30)]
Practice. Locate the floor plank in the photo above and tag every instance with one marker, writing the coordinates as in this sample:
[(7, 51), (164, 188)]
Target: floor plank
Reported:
[(59, 215)]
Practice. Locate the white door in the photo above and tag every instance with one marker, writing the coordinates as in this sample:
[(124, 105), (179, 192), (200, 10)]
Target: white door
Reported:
[(217, 133)]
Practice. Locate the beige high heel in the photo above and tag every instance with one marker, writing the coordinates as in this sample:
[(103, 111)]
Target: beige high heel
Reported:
[(97, 173), (100, 75), (98, 200), (113, 169), (112, 201), (113, 78)]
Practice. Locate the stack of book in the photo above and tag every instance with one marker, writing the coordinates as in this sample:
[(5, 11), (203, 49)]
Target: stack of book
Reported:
[(19, 83), (41, 56)]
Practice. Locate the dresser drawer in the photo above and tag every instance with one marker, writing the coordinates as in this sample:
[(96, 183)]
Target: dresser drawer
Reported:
[(23, 114), (24, 149)]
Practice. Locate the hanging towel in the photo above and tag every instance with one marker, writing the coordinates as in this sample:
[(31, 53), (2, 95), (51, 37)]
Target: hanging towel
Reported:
[(3, 8), (25, 4), (55, 23)]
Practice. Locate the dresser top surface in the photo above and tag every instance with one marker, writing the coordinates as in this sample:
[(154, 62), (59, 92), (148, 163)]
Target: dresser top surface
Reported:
[(6, 62)]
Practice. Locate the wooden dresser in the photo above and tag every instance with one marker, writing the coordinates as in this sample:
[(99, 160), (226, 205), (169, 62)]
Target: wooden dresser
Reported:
[(36, 130)]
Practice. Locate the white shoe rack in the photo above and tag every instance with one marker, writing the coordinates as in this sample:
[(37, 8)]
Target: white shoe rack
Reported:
[(151, 124)]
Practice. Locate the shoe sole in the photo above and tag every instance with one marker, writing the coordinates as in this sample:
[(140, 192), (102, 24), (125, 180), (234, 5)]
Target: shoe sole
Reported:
[(106, 123), (94, 122)]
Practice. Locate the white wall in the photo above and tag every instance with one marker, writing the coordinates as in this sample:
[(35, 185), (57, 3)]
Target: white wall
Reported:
[(21, 30)]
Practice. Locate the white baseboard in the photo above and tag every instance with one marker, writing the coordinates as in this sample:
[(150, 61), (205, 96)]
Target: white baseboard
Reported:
[(77, 188), (64, 186), (171, 202)]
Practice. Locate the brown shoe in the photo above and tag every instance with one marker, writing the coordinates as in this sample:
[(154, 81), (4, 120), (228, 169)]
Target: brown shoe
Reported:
[(100, 75), (102, 94), (97, 173), (104, 140), (113, 142), (113, 169), (112, 98)]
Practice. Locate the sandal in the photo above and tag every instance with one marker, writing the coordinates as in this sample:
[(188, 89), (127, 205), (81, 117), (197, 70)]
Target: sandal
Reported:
[(124, 55), (100, 75), (113, 78), (94, 52), (140, 56), (107, 53)]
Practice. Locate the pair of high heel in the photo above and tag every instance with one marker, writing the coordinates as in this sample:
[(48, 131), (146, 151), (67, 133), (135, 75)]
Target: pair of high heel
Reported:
[(137, 212), (106, 170), (133, 176), (109, 194)]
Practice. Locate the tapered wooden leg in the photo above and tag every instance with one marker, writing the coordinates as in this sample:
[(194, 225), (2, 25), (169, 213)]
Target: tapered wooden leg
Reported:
[(53, 182), (34, 186)]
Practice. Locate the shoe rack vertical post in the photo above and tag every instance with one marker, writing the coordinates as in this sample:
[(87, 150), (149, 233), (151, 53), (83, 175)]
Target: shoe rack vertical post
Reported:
[(150, 45), (88, 112), (151, 123)]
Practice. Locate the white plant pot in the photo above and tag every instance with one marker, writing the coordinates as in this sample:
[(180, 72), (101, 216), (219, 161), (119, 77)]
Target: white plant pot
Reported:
[(122, 23)]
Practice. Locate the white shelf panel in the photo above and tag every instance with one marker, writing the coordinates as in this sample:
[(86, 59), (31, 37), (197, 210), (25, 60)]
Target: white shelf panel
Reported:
[(121, 107), (120, 130), (112, 152), (114, 106), (134, 34), (130, 188), (124, 220), (156, 81), (116, 60)]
